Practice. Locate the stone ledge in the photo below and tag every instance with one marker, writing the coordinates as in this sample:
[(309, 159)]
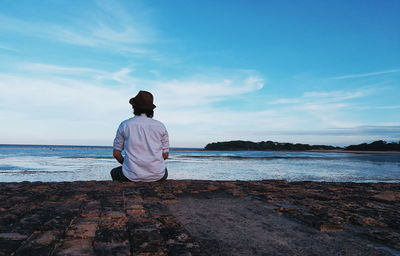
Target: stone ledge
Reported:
[(106, 218)]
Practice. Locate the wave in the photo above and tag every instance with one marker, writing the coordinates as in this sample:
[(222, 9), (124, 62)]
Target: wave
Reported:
[(88, 157), (8, 167), (176, 157), (27, 171), (256, 157)]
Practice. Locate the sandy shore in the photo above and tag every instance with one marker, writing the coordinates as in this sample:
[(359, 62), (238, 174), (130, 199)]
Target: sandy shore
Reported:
[(199, 218)]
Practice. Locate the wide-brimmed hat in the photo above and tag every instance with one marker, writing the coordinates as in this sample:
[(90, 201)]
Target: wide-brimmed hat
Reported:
[(143, 100)]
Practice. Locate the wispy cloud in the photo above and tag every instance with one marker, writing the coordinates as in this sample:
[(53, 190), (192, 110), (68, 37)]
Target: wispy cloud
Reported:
[(58, 97), (326, 96), (378, 130), (284, 101), (200, 90), (382, 131), (121, 76), (379, 107), (366, 74), (328, 108), (3, 47), (332, 96), (107, 26), (58, 70), (56, 93)]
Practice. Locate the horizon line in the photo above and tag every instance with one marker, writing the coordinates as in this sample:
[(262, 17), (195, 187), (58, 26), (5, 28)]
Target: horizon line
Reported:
[(82, 146)]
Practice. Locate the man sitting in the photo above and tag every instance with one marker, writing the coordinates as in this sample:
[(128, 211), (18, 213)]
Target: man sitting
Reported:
[(144, 141)]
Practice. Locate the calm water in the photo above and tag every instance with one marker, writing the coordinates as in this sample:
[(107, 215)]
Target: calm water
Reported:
[(71, 163)]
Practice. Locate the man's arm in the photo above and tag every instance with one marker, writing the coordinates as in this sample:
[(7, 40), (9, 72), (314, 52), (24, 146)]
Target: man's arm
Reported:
[(165, 144), (118, 144), (118, 155)]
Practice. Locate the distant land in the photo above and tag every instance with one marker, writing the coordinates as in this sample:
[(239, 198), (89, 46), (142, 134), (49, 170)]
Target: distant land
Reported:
[(379, 145)]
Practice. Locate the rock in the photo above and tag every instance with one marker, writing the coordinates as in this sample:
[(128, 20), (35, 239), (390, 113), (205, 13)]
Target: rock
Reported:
[(75, 247), (388, 196), (82, 229), (114, 236), (13, 236), (330, 228), (46, 237), (368, 221), (136, 210), (111, 249)]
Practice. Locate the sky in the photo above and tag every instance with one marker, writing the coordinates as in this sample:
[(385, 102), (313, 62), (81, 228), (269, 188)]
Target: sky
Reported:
[(317, 72)]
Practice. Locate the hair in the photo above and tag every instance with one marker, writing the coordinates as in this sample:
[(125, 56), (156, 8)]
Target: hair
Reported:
[(138, 111)]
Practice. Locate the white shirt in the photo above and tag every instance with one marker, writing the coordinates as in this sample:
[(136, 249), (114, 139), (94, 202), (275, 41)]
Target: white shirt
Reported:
[(143, 140)]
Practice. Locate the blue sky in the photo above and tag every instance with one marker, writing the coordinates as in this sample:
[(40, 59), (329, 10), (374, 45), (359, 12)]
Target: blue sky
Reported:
[(319, 72)]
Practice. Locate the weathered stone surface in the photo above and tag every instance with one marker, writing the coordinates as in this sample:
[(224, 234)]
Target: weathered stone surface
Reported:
[(330, 228), (111, 249), (75, 247), (46, 237), (108, 218), (12, 236), (82, 228), (388, 196)]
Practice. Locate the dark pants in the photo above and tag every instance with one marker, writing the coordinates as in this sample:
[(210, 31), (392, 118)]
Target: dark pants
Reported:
[(118, 175)]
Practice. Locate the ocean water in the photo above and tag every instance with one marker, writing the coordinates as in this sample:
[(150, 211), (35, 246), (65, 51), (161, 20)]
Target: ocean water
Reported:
[(72, 163)]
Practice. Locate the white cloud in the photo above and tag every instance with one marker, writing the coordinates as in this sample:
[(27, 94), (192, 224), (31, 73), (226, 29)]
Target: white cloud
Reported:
[(47, 97), (366, 74), (7, 48), (337, 95), (193, 91), (78, 103), (201, 91), (107, 25), (325, 109), (326, 96), (284, 101), (120, 76), (379, 107), (53, 69)]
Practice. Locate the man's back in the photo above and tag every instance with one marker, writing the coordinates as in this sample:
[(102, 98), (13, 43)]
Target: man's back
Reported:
[(144, 140)]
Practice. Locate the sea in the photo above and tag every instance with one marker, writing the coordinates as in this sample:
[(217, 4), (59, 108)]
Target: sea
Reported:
[(47, 163)]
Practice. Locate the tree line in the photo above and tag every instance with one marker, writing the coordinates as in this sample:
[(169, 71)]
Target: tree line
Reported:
[(379, 145), (263, 145)]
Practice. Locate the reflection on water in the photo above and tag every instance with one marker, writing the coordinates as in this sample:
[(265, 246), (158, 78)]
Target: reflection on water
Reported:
[(56, 163)]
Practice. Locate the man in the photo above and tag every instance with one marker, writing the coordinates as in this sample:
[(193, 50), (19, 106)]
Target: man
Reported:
[(144, 141)]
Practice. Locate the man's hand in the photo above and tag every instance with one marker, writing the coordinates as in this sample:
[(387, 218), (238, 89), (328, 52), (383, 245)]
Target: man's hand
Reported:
[(165, 155), (118, 155)]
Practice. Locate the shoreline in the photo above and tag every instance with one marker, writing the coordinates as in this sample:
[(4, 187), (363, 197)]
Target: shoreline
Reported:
[(314, 150), (200, 217), (354, 151)]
